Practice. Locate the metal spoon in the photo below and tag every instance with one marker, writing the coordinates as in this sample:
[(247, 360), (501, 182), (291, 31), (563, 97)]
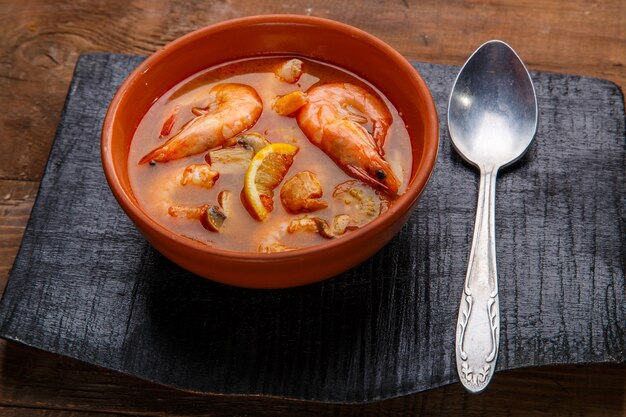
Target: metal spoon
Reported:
[(492, 117)]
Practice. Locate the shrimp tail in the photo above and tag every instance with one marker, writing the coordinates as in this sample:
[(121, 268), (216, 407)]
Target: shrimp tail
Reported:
[(176, 147), (154, 155)]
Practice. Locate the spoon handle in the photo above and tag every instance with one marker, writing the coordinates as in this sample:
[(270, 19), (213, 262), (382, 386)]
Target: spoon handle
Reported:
[(478, 325)]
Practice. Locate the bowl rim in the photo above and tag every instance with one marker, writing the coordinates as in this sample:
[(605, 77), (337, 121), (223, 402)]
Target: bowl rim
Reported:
[(404, 202)]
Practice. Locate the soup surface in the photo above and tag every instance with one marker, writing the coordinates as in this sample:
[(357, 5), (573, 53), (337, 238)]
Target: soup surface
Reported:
[(213, 195)]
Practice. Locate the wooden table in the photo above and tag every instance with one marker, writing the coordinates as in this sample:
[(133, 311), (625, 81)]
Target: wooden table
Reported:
[(40, 41)]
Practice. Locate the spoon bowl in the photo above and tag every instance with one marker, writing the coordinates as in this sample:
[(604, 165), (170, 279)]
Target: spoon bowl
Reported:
[(492, 117), (492, 114)]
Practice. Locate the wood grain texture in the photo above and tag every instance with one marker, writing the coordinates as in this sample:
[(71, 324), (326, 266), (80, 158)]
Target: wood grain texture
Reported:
[(87, 285), (40, 42), (16, 200), (66, 386)]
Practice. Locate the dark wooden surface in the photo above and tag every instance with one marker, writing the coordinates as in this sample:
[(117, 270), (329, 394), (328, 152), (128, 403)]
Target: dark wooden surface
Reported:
[(40, 42)]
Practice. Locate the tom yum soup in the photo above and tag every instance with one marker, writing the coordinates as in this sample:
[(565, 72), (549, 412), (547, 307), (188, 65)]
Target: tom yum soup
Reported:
[(269, 155)]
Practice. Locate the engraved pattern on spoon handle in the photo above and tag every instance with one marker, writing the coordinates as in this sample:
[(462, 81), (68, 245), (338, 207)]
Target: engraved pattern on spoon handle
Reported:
[(478, 325)]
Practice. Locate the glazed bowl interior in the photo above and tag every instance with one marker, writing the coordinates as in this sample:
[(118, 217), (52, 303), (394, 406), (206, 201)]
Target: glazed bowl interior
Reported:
[(307, 37)]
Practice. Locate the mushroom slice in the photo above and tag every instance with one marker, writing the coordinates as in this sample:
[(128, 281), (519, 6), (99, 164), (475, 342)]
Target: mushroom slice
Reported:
[(341, 224), (289, 103), (212, 218), (289, 71), (301, 192), (199, 174), (240, 152), (252, 140), (362, 203), (225, 200), (310, 224), (230, 155)]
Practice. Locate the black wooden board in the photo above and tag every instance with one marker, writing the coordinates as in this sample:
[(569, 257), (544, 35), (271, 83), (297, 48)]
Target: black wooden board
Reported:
[(85, 284)]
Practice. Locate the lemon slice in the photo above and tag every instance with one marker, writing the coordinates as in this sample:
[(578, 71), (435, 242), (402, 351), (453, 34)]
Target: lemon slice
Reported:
[(267, 169)]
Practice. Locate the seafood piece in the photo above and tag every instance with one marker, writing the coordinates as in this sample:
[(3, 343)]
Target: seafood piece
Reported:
[(273, 247), (199, 174), (232, 109), (289, 103), (165, 192), (187, 212), (301, 192), (310, 224), (289, 71), (333, 120), (212, 218), (169, 122), (303, 224)]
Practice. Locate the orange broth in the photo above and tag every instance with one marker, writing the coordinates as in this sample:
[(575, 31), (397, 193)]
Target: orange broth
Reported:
[(157, 187)]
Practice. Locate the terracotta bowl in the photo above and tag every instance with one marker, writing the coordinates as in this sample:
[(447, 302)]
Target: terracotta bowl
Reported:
[(320, 39)]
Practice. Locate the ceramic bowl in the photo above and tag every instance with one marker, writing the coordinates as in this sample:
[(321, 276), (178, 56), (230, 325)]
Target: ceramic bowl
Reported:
[(320, 39)]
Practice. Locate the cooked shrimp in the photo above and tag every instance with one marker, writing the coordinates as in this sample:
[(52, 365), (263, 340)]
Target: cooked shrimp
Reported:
[(289, 71), (289, 103), (273, 247), (199, 174), (333, 120), (187, 212), (232, 109), (301, 193)]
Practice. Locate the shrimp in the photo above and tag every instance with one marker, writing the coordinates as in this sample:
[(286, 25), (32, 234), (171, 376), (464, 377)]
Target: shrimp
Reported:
[(333, 120), (289, 103), (186, 212), (201, 175), (289, 71), (232, 109)]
